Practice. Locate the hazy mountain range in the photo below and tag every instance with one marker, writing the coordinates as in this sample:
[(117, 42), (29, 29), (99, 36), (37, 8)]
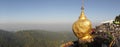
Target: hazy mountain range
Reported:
[(34, 38), (48, 27)]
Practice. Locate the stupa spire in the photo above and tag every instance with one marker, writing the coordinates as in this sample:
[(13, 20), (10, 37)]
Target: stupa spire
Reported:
[(82, 8), (82, 15)]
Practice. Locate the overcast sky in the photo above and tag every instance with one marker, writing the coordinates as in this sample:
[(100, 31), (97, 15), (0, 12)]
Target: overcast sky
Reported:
[(56, 11)]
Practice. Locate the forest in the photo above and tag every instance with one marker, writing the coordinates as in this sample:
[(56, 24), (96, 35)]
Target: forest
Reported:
[(34, 38)]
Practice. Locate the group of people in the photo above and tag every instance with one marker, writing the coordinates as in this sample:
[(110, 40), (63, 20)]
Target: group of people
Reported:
[(101, 39)]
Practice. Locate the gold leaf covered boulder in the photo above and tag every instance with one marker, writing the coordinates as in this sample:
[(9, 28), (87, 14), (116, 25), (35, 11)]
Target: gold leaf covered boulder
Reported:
[(82, 28)]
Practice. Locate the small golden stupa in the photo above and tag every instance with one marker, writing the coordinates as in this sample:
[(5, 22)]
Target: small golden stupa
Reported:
[(82, 27)]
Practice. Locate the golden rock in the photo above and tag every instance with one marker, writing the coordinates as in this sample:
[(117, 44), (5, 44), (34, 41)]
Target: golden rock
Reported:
[(82, 28)]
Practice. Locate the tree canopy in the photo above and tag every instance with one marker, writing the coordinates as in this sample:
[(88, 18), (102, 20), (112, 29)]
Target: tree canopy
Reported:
[(117, 20)]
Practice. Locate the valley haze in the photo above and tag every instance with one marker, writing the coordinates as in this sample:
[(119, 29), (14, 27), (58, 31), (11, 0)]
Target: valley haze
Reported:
[(47, 27)]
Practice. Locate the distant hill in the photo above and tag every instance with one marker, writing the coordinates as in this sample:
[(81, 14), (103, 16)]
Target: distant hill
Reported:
[(34, 38), (8, 39)]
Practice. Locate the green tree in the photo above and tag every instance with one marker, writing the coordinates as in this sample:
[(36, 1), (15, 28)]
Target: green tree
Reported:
[(117, 20)]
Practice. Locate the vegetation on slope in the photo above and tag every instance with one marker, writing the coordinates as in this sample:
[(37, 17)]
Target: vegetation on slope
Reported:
[(34, 38), (117, 20)]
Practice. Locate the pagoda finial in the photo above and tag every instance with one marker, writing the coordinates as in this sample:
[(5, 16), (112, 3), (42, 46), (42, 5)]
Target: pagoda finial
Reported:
[(82, 8)]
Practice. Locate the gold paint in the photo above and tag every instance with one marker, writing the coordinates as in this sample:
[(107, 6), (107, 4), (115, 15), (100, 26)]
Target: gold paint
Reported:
[(112, 42), (67, 44), (82, 28)]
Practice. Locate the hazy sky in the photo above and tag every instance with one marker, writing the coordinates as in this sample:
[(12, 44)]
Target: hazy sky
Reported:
[(55, 11)]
